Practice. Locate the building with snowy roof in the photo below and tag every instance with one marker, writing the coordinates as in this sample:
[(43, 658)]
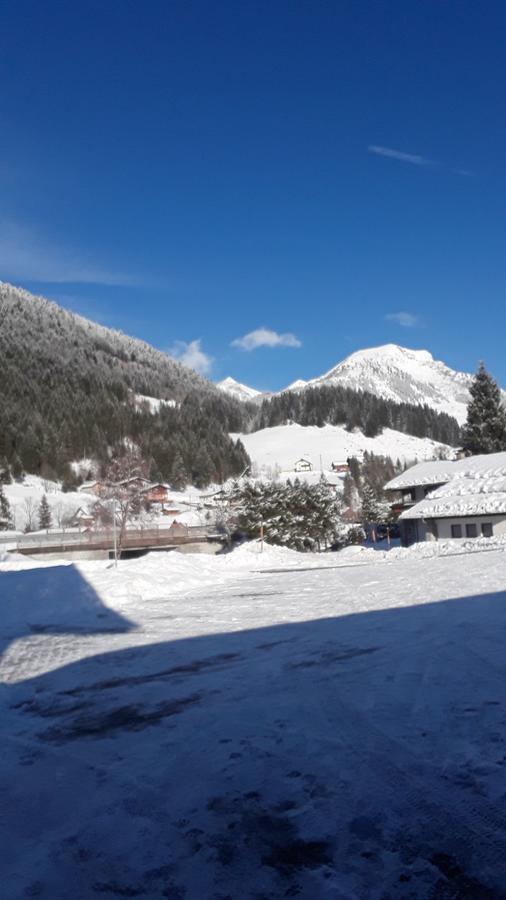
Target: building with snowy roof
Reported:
[(303, 465), (452, 499)]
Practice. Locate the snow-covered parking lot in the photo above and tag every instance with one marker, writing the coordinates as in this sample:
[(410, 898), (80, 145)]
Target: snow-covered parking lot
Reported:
[(195, 727)]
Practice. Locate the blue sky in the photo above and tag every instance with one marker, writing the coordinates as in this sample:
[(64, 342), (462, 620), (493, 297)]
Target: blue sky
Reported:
[(318, 176)]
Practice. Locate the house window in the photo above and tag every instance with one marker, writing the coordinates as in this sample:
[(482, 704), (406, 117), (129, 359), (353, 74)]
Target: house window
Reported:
[(471, 530), (486, 529), (456, 531)]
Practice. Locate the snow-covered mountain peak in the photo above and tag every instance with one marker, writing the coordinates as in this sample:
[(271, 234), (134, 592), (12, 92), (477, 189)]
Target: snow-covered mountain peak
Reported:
[(239, 391), (386, 353), (403, 376)]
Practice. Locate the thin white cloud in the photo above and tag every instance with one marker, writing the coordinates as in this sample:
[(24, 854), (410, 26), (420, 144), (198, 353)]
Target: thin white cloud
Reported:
[(192, 355), (26, 256), (414, 158), (406, 319), (265, 337)]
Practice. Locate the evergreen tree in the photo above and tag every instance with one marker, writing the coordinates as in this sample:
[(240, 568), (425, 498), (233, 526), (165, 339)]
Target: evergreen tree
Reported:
[(178, 474), (370, 506), (16, 467), (45, 519), (6, 520), (485, 429), (301, 516), (354, 469), (5, 475), (202, 469)]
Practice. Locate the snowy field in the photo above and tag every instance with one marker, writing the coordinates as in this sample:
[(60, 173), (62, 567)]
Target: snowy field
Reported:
[(283, 445), (255, 726)]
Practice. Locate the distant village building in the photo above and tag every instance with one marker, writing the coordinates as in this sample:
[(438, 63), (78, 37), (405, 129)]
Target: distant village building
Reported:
[(303, 465), (341, 468), (177, 529), (134, 484), (156, 493), (93, 487), (452, 499), (82, 518), (334, 485), (153, 493)]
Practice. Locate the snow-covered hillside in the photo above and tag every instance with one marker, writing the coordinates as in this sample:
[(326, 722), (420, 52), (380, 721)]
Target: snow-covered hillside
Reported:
[(240, 391), (285, 444), (404, 376), (200, 728)]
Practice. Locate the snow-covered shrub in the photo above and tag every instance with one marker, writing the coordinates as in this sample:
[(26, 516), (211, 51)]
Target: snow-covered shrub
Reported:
[(299, 515)]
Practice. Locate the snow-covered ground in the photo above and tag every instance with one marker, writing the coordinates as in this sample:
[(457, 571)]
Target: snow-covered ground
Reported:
[(24, 498), (255, 725), (285, 444)]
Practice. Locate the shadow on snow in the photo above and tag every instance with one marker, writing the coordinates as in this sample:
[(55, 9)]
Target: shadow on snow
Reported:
[(353, 757)]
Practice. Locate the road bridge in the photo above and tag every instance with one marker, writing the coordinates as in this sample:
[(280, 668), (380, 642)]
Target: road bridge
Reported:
[(101, 542)]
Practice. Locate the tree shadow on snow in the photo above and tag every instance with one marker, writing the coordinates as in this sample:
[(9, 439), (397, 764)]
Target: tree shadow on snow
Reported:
[(361, 756)]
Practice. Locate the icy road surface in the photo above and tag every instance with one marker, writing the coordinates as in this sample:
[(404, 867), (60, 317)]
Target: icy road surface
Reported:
[(195, 729)]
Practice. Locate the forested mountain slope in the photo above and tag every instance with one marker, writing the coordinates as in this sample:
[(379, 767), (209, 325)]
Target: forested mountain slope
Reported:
[(68, 390)]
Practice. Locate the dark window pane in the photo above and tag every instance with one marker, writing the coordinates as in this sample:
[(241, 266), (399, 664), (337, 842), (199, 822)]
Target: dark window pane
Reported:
[(471, 530), (486, 529), (456, 531)]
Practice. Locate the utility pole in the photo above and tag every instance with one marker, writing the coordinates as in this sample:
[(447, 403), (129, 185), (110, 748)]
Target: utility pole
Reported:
[(262, 536), (114, 536)]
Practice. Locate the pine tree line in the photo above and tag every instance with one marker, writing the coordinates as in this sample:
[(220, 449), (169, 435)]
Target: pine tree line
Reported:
[(338, 405)]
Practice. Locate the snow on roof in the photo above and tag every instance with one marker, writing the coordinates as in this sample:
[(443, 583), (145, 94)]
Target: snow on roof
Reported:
[(469, 494), (444, 470), (437, 472)]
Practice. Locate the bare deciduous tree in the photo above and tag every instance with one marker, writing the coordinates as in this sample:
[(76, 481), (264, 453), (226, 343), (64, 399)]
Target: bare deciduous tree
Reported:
[(30, 507), (125, 478)]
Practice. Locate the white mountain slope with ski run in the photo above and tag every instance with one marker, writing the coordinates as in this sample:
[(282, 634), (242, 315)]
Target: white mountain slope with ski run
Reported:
[(391, 372), (284, 445)]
